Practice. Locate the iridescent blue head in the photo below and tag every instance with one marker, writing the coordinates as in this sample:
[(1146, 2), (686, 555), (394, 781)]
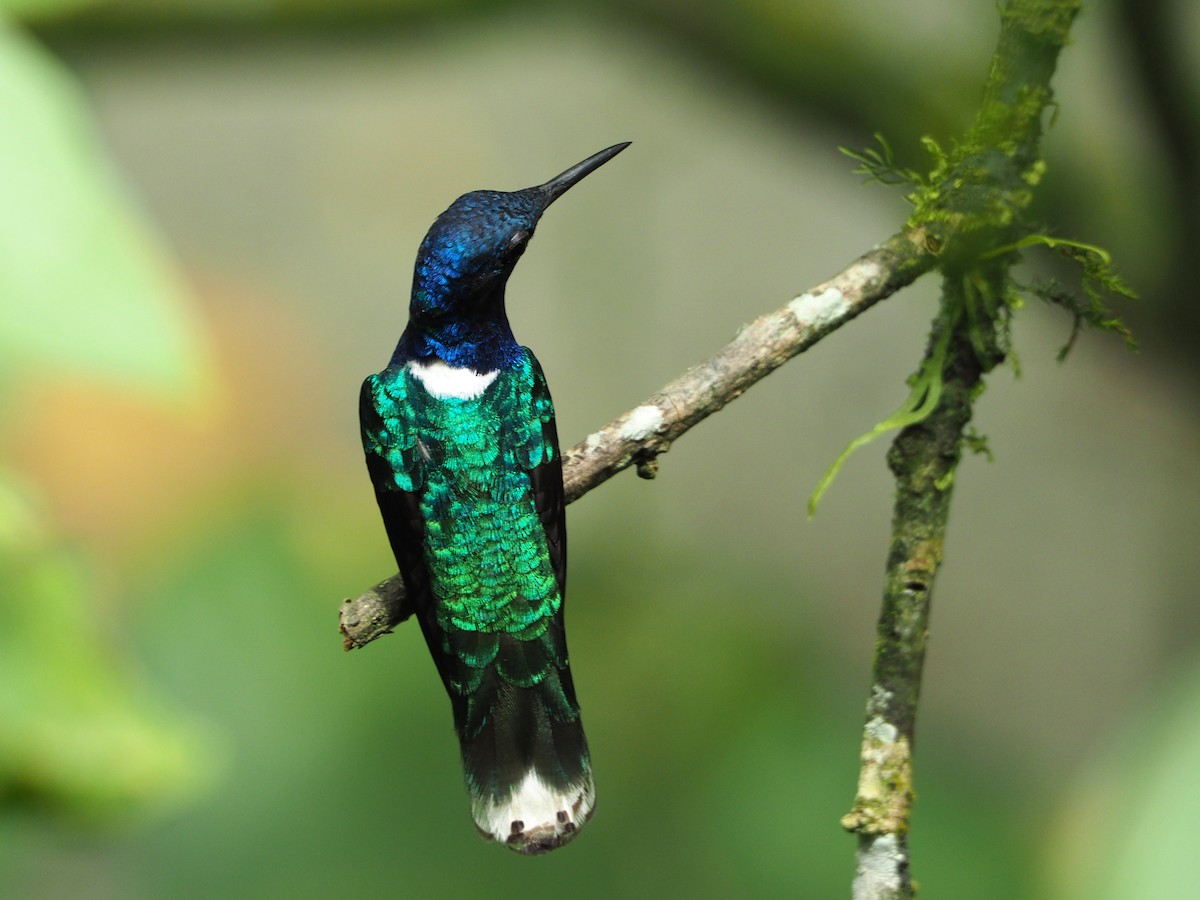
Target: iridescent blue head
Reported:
[(457, 310)]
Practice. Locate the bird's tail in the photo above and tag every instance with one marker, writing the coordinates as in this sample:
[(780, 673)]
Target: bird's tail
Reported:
[(526, 761)]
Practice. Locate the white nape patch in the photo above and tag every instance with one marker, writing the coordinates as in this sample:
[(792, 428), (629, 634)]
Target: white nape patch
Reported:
[(442, 380), (642, 422), (819, 310), (537, 817)]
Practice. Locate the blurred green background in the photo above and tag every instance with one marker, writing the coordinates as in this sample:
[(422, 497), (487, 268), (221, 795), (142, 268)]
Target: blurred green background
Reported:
[(209, 214)]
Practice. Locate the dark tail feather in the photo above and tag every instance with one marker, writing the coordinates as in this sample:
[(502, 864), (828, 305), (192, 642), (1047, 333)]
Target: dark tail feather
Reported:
[(526, 762)]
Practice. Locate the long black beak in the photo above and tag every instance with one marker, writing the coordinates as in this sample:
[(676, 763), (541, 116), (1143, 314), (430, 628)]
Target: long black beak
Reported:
[(557, 186)]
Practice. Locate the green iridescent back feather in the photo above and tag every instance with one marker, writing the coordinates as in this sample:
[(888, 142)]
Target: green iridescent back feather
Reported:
[(467, 470)]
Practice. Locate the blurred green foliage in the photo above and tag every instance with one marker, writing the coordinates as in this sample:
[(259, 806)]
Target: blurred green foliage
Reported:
[(1148, 783), (40, 10), (85, 293), (80, 735)]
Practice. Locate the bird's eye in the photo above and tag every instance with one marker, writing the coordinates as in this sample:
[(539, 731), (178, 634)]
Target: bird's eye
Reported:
[(518, 238)]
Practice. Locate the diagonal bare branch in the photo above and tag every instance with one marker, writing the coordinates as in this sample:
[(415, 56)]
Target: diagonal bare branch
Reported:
[(639, 436)]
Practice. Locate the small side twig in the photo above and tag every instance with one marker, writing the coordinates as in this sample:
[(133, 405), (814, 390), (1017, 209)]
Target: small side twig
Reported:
[(640, 435), (373, 613)]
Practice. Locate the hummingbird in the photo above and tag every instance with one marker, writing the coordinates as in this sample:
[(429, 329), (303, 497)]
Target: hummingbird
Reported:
[(462, 448)]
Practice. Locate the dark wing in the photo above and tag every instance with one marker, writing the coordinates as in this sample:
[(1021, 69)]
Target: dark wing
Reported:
[(546, 480), (385, 437)]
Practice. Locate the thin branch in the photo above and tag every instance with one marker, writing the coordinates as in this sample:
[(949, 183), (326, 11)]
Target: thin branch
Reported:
[(923, 459), (639, 436)]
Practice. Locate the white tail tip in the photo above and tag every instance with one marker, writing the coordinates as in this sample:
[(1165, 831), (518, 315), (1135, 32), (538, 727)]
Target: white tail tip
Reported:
[(537, 817)]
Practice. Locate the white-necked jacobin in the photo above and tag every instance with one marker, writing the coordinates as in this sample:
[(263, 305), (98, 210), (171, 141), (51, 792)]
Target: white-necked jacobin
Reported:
[(462, 448)]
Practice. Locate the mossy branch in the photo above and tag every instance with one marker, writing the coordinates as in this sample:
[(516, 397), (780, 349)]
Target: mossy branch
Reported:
[(973, 207), (923, 459)]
